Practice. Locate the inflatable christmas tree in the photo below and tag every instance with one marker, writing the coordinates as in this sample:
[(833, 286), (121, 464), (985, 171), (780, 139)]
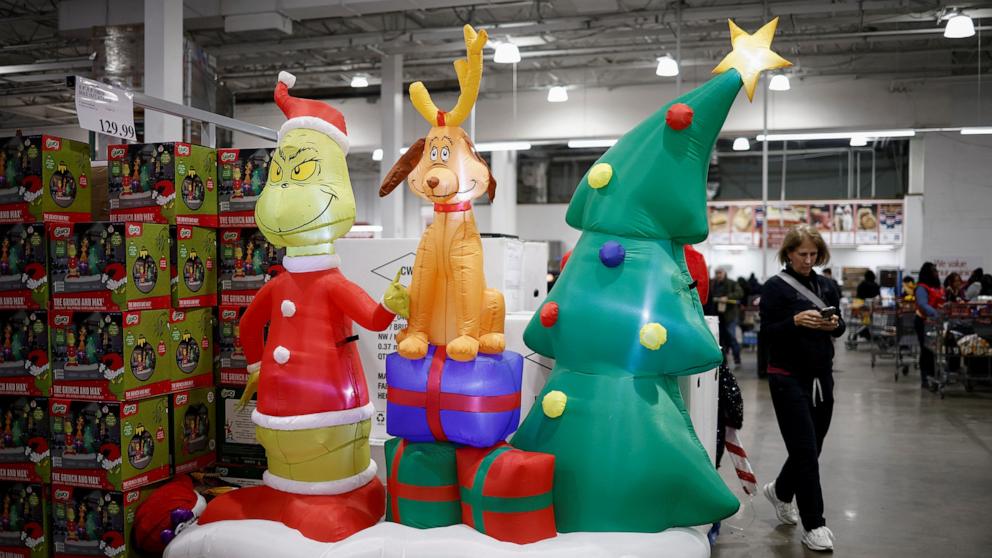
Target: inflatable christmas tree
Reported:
[(623, 322)]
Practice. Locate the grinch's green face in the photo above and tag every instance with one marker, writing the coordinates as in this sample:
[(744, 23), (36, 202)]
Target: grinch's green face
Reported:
[(307, 200)]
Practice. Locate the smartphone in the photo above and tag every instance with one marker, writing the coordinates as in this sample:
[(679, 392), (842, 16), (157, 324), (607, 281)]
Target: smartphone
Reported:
[(828, 312)]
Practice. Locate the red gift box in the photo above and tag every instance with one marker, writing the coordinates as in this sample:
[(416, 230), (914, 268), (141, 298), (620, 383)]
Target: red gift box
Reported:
[(507, 493)]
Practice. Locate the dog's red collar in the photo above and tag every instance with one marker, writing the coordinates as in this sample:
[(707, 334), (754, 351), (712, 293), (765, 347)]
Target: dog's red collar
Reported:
[(451, 207)]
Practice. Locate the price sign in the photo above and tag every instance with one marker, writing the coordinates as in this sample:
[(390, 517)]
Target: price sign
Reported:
[(104, 108)]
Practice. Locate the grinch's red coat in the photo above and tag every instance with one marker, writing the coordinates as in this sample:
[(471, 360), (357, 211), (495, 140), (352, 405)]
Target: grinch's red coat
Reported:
[(309, 360)]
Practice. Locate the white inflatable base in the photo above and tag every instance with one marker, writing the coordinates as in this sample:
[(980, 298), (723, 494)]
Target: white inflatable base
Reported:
[(249, 538)]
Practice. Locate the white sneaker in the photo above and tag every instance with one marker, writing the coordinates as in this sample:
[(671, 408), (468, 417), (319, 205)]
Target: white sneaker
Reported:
[(786, 511), (821, 538)]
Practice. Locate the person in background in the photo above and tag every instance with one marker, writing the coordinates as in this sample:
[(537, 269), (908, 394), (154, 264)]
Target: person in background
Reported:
[(986, 286), (973, 288), (953, 286), (908, 288), (829, 274), (745, 288), (726, 295), (929, 297), (799, 333), (868, 288)]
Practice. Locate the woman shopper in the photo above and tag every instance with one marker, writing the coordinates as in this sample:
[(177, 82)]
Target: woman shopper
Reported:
[(799, 320), (929, 297)]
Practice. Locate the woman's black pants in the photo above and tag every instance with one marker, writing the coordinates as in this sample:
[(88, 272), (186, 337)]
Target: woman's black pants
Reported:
[(803, 418), (926, 355)]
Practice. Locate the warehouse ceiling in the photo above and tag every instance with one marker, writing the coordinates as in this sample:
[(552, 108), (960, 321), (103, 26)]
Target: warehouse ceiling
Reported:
[(611, 43)]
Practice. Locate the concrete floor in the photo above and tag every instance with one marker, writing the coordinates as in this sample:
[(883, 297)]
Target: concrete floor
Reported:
[(904, 473)]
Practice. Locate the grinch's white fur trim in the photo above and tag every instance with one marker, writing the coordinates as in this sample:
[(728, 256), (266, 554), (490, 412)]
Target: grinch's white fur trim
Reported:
[(318, 124), (287, 78), (201, 504), (305, 264), (340, 486), (254, 367), (313, 420)]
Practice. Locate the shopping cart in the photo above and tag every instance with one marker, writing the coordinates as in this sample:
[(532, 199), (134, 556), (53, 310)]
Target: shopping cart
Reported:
[(962, 345), (857, 316), (882, 332)]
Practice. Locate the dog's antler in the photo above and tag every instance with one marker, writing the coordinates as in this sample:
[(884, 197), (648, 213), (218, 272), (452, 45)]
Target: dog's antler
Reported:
[(469, 72)]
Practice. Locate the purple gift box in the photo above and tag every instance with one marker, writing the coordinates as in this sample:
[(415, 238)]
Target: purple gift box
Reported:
[(476, 403)]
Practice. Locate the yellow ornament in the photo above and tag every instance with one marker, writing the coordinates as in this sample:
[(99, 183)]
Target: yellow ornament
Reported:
[(654, 335), (600, 175), (752, 54), (553, 404)]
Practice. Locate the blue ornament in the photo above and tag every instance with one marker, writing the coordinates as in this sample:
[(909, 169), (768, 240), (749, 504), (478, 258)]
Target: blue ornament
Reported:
[(612, 253)]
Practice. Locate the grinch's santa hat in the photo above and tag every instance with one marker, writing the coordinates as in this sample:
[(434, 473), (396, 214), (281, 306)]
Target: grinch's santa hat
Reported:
[(308, 113)]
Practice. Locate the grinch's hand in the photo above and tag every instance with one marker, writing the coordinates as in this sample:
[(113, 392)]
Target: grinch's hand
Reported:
[(474, 42), (397, 298), (250, 389)]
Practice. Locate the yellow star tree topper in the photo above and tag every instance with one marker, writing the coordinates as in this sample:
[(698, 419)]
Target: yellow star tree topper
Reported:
[(752, 54)]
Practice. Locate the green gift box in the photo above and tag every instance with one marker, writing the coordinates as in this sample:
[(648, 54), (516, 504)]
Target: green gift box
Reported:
[(422, 484)]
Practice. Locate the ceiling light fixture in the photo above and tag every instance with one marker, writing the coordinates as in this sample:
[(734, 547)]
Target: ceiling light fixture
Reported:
[(667, 66), (741, 144), (859, 141), (583, 143), (977, 130), (838, 135), (377, 155), (502, 146), (779, 82), (506, 53), (959, 26), (359, 80), (557, 94), (875, 247)]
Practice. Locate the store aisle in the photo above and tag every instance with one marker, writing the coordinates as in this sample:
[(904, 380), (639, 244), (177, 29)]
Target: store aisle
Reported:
[(904, 473)]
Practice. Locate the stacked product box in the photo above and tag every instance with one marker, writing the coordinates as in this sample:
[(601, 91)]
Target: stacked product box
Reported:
[(195, 260), (232, 370), (145, 181), (23, 266), (94, 522), (241, 176), (117, 446), (44, 178), (194, 429), (26, 524), (236, 443), (109, 266), (191, 345), (110, 356), (24, 357), (247, 261), (24, 440)]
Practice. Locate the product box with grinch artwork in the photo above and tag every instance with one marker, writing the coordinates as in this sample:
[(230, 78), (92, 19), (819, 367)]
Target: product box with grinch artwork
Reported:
[(94, 522), (191, 345), (44, 178), (109, 266), (23, 270), (145, 180), (25, 368), (114, 446), (237, 444), (247, 261), (195, 259), (24, 451), (241, 176), (194, 429), (24, 521), (101, 356), (233, 369)]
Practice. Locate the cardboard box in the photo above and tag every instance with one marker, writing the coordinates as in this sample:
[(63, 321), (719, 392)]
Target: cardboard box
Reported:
[(192, 348), (700, 393), (233, 368), (195, 260), (113, 446), (145, 181), (534, 276), (23, 266), (24, 452), (93, 522), (243, 475), (104, 356), (247, 261), (27, 526), (237, 444), (25, 367), (109, 266), (194, 429), (241, 176), (44, 178)]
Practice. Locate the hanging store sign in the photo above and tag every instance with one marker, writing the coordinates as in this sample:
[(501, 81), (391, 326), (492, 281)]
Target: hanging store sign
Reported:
[(105, 109)]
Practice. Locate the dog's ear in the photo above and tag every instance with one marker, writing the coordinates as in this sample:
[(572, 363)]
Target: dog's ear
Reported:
[(492, 186), (402, 168)]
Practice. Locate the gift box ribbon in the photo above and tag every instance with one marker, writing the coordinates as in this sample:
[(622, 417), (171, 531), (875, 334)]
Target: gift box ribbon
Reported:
[(480, 504), (397, 489), (434, 401)]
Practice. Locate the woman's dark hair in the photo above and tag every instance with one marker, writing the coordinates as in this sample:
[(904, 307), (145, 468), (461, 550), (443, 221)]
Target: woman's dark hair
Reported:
[(907, 279), (976, 276), (929, 275), (869, 275), (987, 285), (949, 280)]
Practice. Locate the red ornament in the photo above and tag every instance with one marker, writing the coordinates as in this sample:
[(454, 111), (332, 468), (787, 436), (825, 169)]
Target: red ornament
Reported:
[(549, 314), (679, 116)]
